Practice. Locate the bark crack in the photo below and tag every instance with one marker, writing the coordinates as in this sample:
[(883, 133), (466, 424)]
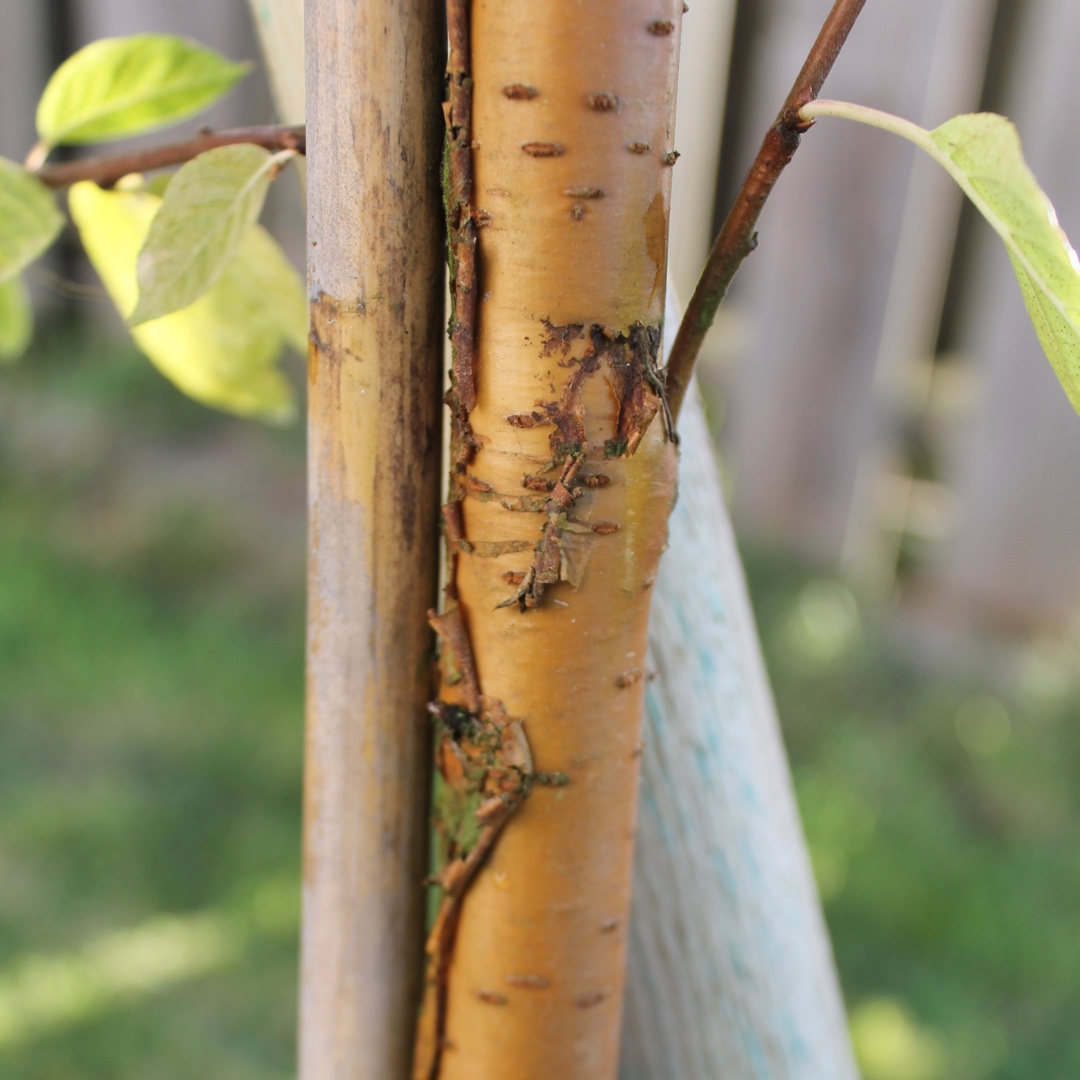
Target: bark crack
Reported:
[(484, 772), (629, 361)]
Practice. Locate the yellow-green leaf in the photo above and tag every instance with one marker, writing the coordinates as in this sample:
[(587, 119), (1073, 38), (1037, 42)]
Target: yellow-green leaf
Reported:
[(209, 206), (16, 319), (125, 86), (982, 152), (221, 350), (29, 218)]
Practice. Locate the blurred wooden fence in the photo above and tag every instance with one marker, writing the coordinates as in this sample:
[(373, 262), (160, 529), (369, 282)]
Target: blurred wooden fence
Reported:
[(886, 407), (36, 37)]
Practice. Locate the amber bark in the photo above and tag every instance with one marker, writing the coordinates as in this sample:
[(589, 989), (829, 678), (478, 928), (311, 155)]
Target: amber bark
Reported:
[(563, 479)]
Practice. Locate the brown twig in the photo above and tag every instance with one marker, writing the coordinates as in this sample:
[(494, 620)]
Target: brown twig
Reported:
[(106, 170), (737, 236)]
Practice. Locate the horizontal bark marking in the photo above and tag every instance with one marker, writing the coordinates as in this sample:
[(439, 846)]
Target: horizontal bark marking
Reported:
[(543, 149), (603, 101), (520, 92)]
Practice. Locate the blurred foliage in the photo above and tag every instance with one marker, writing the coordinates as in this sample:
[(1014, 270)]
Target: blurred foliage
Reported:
[(151, 637), (151, 668), (944, 825)]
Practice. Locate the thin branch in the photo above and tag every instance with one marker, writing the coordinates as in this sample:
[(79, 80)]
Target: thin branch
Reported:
[(737, 236), (106, 170)]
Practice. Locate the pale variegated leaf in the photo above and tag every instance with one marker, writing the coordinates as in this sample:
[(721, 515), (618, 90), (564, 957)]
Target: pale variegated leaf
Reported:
[(209, 206), (221, 350)]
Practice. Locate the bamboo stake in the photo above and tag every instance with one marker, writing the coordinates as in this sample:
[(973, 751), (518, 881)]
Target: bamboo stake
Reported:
[(374, 78)]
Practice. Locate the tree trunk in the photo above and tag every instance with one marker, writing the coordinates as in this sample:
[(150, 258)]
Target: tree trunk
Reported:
[(562, 486)]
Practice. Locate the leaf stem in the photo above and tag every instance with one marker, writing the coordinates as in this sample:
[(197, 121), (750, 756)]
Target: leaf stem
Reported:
[(737, 236), (36, 158), (107, 170), (863, 114), (923, 139)]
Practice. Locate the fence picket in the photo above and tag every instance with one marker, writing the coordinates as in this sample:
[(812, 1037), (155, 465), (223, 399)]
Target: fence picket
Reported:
[(817, 294)]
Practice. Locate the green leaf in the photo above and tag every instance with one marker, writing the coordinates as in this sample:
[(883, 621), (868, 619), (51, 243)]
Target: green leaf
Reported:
[(29, 218), (126, 86), (982, 152), (221, 350), (209, 206), (16, 319)]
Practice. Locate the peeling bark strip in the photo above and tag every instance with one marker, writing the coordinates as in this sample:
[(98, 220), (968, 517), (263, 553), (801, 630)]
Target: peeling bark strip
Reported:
[(494, 549), (451, 630), (639, 388), (629, 364), (483, 772), (460, 223), (551, 560), (483, 767)]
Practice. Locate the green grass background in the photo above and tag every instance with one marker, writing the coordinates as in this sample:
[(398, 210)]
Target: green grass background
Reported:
[(151, 687)]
